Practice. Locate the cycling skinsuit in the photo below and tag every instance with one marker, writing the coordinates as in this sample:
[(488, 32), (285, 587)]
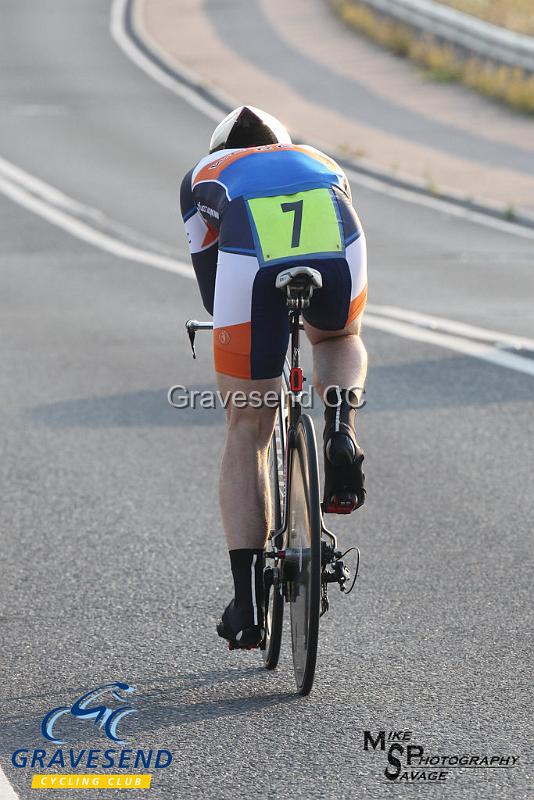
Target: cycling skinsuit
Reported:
[(252, 212)]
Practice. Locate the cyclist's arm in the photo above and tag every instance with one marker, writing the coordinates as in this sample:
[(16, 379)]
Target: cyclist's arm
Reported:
[(203, 244), (347, 188), (345, 185)]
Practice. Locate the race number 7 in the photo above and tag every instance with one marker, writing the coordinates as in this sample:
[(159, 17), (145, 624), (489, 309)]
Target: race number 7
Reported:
[(297, 219), (283, 229)]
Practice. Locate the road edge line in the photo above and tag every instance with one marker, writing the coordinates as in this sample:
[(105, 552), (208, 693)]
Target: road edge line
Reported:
[(7, 791), (454, 327), (82, 230), (483, 352), (126, 37)]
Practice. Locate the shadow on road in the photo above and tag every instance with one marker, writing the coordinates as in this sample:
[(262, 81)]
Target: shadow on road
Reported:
[(184, 713), (449, 382), (167, 702), (144, 409), (205, 695)]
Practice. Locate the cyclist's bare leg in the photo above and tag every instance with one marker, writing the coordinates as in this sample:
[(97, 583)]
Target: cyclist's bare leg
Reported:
[(339, 357), (244, 487), (340, 360)]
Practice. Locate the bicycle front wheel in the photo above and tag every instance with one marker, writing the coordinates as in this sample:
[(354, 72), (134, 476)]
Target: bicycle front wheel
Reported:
[(302, 564), (274, 601)]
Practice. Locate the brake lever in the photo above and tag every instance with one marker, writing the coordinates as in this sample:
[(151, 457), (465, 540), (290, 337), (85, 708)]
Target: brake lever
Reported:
[(192, 334)]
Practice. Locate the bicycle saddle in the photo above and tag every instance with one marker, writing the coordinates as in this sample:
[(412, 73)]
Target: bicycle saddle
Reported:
[(306, 277), (299, 284)]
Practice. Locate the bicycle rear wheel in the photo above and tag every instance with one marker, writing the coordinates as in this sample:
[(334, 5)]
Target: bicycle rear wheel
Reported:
[(302, 564), (274, 600)]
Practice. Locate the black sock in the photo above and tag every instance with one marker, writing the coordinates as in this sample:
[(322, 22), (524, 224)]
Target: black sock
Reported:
[(247, 570), (340, 411)]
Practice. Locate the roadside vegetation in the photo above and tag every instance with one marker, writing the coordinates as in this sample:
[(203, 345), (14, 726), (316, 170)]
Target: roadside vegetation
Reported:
[(518, 15), (440, 62)]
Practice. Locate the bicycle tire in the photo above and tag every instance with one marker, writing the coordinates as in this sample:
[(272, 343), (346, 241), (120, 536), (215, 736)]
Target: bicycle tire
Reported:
[(302, 564), (274, 600)]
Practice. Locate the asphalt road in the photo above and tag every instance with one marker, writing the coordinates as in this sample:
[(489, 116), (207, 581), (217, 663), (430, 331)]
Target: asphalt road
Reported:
[(113, 561)]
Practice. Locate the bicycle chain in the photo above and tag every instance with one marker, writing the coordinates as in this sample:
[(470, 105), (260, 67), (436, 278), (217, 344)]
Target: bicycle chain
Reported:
[(325, 605)]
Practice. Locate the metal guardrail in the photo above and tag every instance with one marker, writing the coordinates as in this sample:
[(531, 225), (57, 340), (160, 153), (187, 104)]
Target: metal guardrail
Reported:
[(461, 30)]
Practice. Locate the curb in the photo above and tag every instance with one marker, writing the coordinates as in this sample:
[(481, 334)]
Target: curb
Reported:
[(192, 82)]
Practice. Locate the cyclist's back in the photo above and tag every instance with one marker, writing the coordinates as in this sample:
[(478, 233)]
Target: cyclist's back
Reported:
[(250, 212)]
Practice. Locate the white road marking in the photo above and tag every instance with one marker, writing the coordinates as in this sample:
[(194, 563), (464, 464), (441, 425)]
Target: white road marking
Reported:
[(59, 209), (6, 790), (42, 203), (120, 35), (452, 326), (44, 190), (437, 204), (457, 343)]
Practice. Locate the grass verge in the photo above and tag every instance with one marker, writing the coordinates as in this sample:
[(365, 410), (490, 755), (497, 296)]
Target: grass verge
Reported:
[(517, 15), (440, 61)]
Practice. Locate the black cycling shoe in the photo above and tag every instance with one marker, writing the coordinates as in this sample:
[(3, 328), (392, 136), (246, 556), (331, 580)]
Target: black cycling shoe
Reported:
[(344, 479), (235, 626)]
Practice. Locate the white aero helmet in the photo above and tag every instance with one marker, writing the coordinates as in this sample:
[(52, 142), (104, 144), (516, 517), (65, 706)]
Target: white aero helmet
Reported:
[(248, 126)]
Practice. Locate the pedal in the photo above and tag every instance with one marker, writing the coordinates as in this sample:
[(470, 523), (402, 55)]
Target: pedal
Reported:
[(237, 646), (340, 504)]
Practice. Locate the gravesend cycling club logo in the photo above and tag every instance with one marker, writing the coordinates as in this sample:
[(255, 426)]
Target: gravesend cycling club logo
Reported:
[(408, 762), (103, 716), (104, 709), (224, 337)]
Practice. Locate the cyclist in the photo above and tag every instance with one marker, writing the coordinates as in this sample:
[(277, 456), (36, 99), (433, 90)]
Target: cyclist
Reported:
[(255, 205)]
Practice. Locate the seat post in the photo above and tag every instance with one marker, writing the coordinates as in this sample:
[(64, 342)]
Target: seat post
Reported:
[(299, 284)]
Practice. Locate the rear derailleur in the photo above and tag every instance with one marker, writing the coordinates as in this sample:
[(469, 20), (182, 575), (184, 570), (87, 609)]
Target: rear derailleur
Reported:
[(334, 570)]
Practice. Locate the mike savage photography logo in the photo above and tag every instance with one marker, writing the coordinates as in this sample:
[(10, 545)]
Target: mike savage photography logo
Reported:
[(105, 708), (409, 762)]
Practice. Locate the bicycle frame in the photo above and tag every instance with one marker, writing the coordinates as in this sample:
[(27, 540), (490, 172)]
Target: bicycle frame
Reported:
[(293, 380), (296, 377)]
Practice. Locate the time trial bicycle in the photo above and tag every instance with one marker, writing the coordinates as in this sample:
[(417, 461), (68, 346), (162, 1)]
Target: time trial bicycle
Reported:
[(301, 555)]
